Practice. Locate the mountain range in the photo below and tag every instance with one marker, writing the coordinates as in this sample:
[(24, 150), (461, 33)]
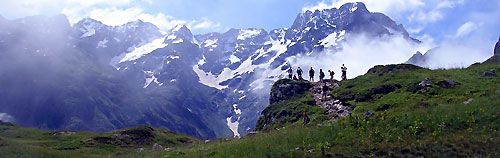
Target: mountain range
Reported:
[(94, 77)]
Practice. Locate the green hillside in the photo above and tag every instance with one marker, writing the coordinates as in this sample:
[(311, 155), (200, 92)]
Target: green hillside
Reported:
[(135, 142), (455, 114)]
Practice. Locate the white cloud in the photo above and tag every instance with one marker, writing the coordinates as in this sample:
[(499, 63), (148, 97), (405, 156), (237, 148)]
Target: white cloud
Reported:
[(360, 53), (108, 17), (6, 117), (110, 12), (148, 1), (456, 56), (466, 29), (205, 24)]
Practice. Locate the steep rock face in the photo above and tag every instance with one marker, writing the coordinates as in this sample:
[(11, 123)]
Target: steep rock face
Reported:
[(286, 89), (290, 99), (497, 48), (495, 59)]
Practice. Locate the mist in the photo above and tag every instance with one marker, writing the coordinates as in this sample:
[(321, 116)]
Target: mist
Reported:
[(455, 56), (6, 117), (359, 53)]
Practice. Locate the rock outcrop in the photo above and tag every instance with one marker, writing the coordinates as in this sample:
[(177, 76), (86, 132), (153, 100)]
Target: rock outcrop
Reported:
[(286, 89)]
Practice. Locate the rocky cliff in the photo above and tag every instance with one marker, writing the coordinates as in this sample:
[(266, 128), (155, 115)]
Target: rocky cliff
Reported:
[(289, 99)]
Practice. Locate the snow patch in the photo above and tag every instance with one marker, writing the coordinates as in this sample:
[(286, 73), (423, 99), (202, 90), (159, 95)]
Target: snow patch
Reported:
[(171, 37), (173, 57), (209, 43), (244, 34), (102, 44), (332, 39), (211, 80), (178, 41), (150, 79), (354, 7), (143, 50), (233, 126), (243, 97), (234, 59), (236, 110)]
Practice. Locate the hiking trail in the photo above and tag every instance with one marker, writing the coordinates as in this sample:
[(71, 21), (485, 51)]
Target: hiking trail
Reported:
[(330, 104)]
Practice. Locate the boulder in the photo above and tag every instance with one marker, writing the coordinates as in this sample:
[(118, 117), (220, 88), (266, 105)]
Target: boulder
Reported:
[(286, 89), (139, 150), (447, 84), (489, 74), (157, 147), (369, 114), (425, 83)]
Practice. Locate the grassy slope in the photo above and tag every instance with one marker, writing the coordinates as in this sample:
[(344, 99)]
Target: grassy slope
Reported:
[(433, 122), (408, 122), (27, 142)]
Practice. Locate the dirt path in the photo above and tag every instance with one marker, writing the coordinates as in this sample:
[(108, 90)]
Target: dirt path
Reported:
[(330, 104)]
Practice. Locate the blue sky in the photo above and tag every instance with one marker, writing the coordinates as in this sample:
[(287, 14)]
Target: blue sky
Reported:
[(436, 22)]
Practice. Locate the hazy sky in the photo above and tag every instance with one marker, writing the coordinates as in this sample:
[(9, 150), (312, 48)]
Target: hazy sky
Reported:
[(437, 22)]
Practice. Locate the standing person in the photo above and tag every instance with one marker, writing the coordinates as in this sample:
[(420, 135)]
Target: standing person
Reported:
[(325, 91), (331, 75), (290, 73), (311, 74), (306, 119), (299, 72), (344, 72), (321, 75)]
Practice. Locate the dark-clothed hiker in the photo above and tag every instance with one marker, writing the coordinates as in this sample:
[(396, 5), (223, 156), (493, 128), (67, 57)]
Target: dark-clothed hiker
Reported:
[(325, 91), (311, 74), (321, 75), (331, 75), (294, 77), (306, 119), (290, 73), (299, 72), (344, 72)]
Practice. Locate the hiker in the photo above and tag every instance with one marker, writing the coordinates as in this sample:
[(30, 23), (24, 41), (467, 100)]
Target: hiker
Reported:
[(344, 72), (306, 119), (299, 72), (331, 75), (325, 91), (290, 73), (294, 77), (311, 74), (321, 75)]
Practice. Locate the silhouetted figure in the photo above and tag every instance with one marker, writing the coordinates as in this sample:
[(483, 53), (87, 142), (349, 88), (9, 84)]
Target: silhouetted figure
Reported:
[(331, 75), (344, 72), (321, 75), (311, 74), (325, 91), (294, 77), (306, 119), (290, 73), (299, 72)]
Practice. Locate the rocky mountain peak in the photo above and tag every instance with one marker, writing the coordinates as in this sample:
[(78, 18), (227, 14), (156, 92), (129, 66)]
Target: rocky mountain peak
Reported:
[(178, 34), (354, 7)]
